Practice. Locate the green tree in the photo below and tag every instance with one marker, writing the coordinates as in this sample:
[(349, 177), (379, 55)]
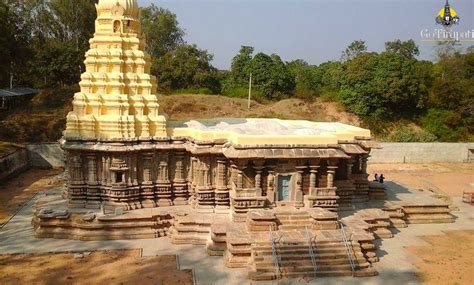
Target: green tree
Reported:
[(271, 76), (240, 68), (382, 86), (329, 74), (57, 62), (162, 30), (73, 21), (15, 38), (445, 125), (186, 67), (452, 97), (407, 49), (354, 49), (306, 79), (6, 36)]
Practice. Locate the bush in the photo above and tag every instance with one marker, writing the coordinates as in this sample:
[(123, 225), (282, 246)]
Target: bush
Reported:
[(406, 134), (243, 92), (203, 90), (445, 125)]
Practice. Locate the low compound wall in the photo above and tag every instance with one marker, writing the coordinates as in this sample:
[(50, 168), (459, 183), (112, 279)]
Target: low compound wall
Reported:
[(14, 162), (45, 155), (423, 153)]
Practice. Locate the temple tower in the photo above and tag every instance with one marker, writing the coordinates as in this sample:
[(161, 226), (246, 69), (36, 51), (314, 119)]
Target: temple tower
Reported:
[(117, 99)]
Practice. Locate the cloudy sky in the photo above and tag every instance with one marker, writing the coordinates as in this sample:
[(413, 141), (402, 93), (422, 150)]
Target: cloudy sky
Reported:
[(313, 30)]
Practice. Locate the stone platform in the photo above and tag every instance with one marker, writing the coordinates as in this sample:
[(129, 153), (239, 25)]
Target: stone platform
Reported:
[(283, 235)]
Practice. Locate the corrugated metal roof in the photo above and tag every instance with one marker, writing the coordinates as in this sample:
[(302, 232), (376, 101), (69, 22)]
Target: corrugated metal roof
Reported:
[(17, 92)]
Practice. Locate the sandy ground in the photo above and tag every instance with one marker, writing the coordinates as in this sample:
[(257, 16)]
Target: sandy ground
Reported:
[(105, 267), (450, 259), (16, 191), (448, 178)]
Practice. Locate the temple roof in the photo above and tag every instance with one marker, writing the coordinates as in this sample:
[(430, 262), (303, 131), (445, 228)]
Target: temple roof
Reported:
[(266, 131)]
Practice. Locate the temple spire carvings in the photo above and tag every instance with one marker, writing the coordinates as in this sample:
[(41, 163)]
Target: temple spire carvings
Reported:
[(118, 95)]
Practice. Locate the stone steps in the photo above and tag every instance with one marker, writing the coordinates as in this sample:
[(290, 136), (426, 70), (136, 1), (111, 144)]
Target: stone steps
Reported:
[(295, 261), (301, 267), (261, 276), (304, 261)]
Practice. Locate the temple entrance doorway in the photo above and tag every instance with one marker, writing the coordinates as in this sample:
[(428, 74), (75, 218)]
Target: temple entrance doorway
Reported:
[(284, 187)]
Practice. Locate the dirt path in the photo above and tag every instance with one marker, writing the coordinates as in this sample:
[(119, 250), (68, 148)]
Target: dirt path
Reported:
[(452, 260), (103, 267), (18, 190)]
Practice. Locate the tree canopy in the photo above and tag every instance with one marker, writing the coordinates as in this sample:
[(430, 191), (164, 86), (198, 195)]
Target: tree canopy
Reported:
[(162, 30), (43, 42)]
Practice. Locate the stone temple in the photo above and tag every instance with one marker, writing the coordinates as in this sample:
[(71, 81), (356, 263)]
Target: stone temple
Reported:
[(264, 193), (122, 153)]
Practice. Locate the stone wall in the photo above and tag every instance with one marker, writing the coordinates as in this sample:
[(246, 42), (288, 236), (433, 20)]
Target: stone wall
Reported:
[(45, 155), (13, 163), (51, 155), (422, 153)]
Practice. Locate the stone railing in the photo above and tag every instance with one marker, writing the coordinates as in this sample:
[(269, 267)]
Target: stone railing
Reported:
[(322, 197), (243, 199)]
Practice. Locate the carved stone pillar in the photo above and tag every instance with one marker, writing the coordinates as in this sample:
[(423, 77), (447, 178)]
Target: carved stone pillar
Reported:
[(147, 179), (163, 174), (299, 184), (179, 167), (109, 173), (147, 192), (258, 179), (331, 175), (313, 179), (134, 168), (75, 172), (222, 192), (205, 191), (271, 186), (91, 169), (349, 169), (240, 179), (180, 187), (221, 173), (129, 173), (194, 168), (364, 158), (103, 171), (163, 187), (93, 189)]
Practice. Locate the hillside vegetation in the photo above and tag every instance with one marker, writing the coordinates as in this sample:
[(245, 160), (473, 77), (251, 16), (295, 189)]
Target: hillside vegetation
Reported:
[(44, 118), (398, 96)]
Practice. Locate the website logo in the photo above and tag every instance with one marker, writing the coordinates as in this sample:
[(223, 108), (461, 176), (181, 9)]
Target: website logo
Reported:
[(447, 16)]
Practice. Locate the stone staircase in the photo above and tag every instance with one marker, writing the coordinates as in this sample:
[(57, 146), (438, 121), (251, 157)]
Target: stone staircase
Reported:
[(294, 258), (293, 220)]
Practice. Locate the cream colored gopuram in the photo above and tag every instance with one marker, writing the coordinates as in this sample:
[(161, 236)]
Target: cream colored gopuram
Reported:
[(118, 94)]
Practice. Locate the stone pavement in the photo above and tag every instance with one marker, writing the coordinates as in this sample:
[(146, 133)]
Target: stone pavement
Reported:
[(395, 265)]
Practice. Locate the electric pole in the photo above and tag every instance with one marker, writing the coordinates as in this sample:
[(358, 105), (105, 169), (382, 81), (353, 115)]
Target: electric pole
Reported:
[(250, 90)]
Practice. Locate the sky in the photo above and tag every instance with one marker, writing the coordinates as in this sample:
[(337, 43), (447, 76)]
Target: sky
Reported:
[(313, 30)]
